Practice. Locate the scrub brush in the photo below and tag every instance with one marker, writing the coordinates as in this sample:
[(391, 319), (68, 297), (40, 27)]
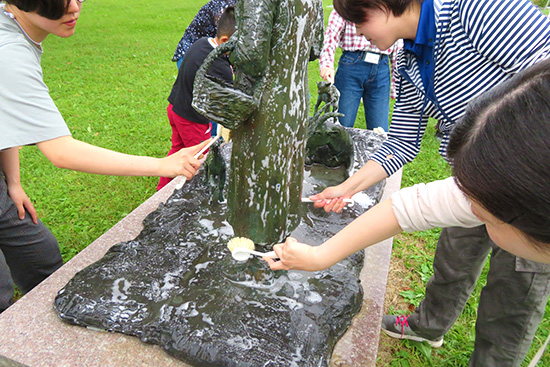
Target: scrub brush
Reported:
[(241, 248), (351, 202)]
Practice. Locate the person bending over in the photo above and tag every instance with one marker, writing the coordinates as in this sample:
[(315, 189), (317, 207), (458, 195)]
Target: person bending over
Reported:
[(454, 50), (28, 250), (501, 180)]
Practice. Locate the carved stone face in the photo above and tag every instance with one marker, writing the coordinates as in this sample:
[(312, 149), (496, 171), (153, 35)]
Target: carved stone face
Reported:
[(330, 146)]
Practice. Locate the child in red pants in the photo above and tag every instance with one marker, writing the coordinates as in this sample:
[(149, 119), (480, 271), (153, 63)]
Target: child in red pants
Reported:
[(188, 126)]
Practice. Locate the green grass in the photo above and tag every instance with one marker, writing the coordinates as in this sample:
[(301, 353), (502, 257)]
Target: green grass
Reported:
[(110, 81)]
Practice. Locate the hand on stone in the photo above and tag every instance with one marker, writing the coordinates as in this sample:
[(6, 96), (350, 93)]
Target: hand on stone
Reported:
[(293, 255), (331, 199)]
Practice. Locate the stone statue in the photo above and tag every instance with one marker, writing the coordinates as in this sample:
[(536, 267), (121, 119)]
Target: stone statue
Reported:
[(328, 142), (176, 285), (275, 44)]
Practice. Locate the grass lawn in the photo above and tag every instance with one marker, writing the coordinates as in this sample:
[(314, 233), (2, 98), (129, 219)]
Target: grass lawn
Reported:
[(111, 80)]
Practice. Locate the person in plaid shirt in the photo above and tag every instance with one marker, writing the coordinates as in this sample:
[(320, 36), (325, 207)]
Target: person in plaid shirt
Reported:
[(363, 72)]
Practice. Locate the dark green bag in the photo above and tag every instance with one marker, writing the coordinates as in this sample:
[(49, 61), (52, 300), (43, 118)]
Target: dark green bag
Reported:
[(217, 99)]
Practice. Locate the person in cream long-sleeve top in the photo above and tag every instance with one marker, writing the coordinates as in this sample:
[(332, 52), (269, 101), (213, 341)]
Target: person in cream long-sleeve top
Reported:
[(501, 180)]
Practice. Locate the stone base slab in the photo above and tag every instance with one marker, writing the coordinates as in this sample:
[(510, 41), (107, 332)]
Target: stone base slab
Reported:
[(31, 333)]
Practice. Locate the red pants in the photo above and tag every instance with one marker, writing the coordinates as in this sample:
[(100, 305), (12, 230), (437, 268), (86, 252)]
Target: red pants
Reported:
[(185, 134)]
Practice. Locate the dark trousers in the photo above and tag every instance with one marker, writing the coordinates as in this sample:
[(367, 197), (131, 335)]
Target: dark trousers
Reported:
[(29, 252), (511, 304)]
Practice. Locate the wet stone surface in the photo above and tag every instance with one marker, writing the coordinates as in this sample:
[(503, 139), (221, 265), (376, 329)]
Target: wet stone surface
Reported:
[(176, 284)]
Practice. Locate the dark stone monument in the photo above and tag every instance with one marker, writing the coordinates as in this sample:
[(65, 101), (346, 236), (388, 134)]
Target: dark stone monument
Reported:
[(176, 284), (267, 111)]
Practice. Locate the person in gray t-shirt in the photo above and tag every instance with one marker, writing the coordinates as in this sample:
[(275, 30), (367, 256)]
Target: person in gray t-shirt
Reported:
[(28, 251)]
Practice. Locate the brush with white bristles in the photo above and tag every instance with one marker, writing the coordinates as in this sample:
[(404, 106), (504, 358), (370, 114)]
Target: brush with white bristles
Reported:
[(351, 202), (241, 248)]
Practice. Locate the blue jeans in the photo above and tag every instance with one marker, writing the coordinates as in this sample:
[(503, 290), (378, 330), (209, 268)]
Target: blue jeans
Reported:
[(356, 79)]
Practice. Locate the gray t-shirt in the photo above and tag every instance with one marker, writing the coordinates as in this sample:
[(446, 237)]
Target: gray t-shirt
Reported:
[(28, 114)]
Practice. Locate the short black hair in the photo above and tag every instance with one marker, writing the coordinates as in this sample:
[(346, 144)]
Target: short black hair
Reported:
[(226, 23), (51, 9), (356, 11), (500, 152)]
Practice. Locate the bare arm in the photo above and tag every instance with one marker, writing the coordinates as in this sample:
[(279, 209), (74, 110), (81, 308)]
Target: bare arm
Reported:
[(9, 160), (66, 152), (333, 35), (377, 224), (368, 175)]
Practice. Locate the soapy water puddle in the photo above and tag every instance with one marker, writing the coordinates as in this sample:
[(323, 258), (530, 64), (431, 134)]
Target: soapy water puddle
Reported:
[(178, 286)]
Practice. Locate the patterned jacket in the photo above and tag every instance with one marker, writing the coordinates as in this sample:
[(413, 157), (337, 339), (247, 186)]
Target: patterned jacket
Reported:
[(204, 24)]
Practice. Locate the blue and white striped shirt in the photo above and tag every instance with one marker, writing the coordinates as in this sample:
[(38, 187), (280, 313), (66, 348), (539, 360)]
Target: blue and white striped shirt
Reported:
[(479, 44)]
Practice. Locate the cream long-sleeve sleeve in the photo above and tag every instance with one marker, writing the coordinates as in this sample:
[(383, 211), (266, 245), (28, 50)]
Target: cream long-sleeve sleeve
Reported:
[(436, 204)]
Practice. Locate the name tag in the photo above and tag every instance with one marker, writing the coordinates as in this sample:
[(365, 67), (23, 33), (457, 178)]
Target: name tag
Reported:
[(372, 57)]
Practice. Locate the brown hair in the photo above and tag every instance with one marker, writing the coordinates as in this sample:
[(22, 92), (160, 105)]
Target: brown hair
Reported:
[(500, 152)]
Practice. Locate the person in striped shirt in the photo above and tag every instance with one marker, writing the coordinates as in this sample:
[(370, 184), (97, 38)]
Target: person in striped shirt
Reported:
[(517, 214), (363, 73), (454, 50)]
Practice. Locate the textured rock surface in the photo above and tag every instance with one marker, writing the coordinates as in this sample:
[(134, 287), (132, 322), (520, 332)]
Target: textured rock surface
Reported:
[(176, 284), (274, 42)]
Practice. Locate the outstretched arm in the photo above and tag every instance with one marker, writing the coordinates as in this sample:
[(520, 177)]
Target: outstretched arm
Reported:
[(416, 208), (66, 152), (377, 224)]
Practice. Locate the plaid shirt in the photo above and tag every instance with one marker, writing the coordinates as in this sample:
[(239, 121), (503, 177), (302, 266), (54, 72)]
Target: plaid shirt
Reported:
[(342, 33)]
